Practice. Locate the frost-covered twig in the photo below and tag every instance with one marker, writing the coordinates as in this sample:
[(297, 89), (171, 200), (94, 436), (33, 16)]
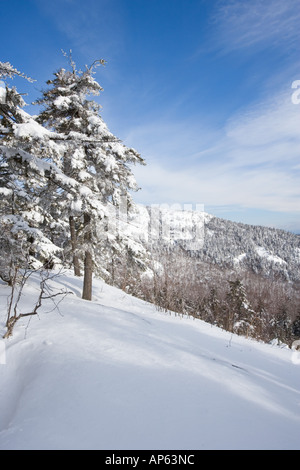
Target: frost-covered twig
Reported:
[(8, 71)]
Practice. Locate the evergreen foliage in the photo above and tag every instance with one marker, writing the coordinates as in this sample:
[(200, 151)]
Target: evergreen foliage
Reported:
[(65, 199), (94, 157), (22, 183), (63, 171)]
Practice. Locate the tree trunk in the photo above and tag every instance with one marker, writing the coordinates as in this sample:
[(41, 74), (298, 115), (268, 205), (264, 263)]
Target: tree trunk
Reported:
[(88, 261), (74, 246)]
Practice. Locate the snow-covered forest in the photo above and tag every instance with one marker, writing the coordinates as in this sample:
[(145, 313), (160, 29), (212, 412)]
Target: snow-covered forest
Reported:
[(240, 277), (66, 201), (155, 319), (61, 170)]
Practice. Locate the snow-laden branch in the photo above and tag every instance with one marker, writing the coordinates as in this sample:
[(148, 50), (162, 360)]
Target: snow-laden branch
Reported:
[(56, 176), (25, 126), (8, 71)]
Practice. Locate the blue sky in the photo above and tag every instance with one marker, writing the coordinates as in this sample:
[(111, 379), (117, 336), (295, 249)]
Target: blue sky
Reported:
[(201, 88)]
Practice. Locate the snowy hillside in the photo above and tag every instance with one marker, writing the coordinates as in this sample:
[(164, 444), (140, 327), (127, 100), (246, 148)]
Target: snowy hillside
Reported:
[(268, 251), (115, 373)]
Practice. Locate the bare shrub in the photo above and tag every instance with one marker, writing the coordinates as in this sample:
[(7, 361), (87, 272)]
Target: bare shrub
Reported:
[(19, 279)]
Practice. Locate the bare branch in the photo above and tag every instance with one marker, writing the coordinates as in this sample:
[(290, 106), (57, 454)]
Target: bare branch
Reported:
[(44, 294)]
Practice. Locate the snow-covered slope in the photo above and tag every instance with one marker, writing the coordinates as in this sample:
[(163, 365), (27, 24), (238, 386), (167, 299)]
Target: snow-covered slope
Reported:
[(117, 374)]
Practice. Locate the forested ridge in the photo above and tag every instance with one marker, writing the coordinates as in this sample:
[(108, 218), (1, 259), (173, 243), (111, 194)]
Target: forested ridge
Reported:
[(66, 185)]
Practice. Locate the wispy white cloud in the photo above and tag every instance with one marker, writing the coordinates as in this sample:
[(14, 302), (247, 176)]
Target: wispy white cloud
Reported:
[(266, 133), (240, 24), (252, 163)]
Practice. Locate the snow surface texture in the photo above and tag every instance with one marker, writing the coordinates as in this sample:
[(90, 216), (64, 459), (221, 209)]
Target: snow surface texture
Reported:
[(115, 373)]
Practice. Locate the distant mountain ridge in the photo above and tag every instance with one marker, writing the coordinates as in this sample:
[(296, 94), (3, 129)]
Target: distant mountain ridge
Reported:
[(267, 251)]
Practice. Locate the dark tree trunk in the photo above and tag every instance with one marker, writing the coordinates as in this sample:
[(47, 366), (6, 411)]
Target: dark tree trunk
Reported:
[(74, 246), (88, 261)]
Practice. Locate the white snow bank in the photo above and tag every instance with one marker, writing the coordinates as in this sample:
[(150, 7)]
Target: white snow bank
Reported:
[(116, 374)]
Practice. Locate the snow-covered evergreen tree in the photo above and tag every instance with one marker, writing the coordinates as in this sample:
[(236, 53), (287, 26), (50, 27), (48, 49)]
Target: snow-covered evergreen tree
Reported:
[(239, 311), (93, 157), (21, 181), (282, 324)]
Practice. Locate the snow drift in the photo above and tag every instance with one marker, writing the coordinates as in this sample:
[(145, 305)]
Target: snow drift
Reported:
[(115, 373)]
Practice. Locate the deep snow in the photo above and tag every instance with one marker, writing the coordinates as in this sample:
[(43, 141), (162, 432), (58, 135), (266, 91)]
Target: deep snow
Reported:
[(117, 374)]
